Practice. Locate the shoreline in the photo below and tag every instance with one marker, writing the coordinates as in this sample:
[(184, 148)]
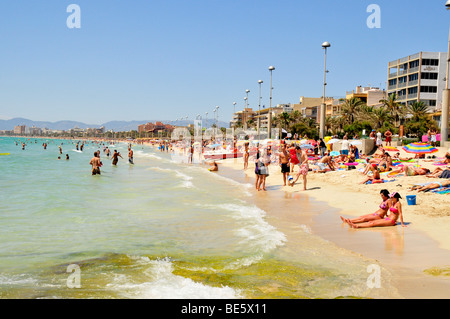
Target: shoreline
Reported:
[(406, 252)]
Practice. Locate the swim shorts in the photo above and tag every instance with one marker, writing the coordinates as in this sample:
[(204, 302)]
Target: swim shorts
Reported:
[(304, 169), (285, 168)]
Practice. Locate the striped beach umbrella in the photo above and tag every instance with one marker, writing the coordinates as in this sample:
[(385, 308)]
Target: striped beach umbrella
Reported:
[(419, 148)]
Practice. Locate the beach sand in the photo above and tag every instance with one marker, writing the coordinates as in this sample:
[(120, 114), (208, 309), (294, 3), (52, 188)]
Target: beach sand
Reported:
[(409, 252)]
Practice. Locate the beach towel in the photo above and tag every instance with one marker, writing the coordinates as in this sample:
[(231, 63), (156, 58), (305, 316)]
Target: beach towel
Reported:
[(441, 190), (383, 181)]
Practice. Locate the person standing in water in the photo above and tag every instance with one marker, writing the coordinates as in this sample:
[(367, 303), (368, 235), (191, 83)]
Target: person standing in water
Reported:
[(130, 155), (115, 157), (96, 163)]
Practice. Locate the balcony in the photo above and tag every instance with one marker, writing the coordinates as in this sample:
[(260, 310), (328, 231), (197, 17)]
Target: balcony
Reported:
[(413, 83), (393, 75)]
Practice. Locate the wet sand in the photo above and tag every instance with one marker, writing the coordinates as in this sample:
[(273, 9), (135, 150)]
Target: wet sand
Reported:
[(405, 251)]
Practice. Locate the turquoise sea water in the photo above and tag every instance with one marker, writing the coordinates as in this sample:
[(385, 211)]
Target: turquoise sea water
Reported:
[(160, 228)]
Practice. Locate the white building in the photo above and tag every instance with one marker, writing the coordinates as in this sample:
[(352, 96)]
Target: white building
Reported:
[(419, 77)]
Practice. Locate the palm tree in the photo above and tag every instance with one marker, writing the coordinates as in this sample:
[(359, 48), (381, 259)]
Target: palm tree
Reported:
[(296, 116), (381, 115), (418, 109), (285, 119), (350, 107), (393, 106)]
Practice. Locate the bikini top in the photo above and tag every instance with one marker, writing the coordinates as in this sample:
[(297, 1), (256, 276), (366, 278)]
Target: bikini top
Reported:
[(383, 205), (394, 210)]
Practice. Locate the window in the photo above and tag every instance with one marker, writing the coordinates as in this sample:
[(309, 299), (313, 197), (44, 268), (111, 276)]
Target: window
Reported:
[(413, 77), (414, 64), (392, 82), (402, 79), (432, 62), (412, 90), (429, 76), (428, 89)]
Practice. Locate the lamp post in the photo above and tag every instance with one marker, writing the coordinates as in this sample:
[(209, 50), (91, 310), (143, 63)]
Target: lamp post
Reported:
[(446, 96), (259, 109), (217, 108), (206, 120), (269, 124), (325, 46), (234, 104)]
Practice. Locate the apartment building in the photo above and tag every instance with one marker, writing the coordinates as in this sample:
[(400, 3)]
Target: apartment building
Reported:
[(419, 77)]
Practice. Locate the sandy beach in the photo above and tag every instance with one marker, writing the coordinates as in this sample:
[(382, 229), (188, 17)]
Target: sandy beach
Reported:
[(418, 254)]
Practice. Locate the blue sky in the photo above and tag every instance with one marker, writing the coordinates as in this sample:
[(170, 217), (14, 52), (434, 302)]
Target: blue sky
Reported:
[(167, 59)]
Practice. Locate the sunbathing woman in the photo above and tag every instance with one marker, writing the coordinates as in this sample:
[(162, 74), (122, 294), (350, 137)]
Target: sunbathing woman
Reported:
[(379, 214), (375, 176), (430, 186), (395, 212), (413, 171)]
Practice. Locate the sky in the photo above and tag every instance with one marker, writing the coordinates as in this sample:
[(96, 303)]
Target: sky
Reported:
[(168, 59)]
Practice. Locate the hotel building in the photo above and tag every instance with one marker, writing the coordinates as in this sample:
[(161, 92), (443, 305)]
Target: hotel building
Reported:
[(419, 77)]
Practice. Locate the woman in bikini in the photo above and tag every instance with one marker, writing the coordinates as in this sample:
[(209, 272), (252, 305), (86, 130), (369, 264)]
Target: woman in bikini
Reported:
[(379, 214), (395, 212), (246, 155)]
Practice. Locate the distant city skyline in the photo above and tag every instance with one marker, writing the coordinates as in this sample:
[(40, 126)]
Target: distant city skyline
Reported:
[(171, 59)]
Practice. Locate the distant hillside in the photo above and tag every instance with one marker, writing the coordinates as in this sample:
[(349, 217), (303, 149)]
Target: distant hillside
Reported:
[(117, 126)]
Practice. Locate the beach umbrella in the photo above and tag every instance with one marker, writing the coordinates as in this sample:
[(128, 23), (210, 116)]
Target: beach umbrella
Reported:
[(306, 146), (214, 145), (333, 140), (419, 148), (312, 142)]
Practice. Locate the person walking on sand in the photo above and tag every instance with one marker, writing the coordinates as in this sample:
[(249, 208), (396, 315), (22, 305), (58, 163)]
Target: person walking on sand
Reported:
[(96, 163), (395, 213), (283, 161), (304, 168)]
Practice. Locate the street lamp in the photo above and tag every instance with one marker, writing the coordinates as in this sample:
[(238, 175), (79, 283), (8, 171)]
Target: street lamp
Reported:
[(206, 120), (269, 124), (325, 46), (259, 108), (234, 104), (446, 95), (247, 91), (217, 108)]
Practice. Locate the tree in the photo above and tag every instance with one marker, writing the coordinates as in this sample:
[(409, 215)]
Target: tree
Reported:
[(350, 107), (417, 109), (394, 107), (285, 119)]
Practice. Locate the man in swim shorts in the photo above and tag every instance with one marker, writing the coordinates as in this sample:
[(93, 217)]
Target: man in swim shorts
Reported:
[(304, 168), (283, 160), (95, 162)]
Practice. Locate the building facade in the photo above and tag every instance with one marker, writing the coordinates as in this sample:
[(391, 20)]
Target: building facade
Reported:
[(419, 77)]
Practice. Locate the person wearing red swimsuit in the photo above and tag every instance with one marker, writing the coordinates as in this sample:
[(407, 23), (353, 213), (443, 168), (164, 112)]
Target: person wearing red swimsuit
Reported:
[(294, 158)]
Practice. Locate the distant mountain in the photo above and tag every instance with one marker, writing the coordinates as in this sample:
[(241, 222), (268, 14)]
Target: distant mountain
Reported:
[(117, 126)]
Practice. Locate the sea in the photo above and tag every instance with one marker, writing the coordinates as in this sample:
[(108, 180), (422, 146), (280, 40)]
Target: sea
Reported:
[(160, 228)]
